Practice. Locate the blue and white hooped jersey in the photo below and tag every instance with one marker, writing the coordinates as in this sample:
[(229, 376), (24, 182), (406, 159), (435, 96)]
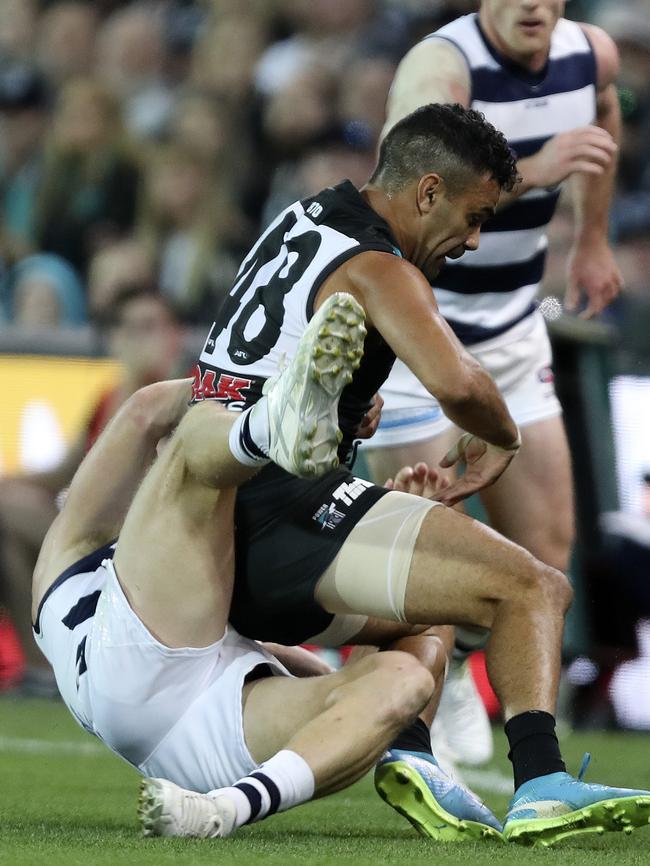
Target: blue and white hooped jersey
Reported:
[(489, 290)]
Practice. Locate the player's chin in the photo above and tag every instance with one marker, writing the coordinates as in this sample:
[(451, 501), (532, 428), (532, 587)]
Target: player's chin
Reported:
[(434, 268)]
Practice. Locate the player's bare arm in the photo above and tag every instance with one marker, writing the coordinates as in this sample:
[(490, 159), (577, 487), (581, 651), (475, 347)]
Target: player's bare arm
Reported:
[(130, 439), (591, 268), (399, 304), (432, 71)]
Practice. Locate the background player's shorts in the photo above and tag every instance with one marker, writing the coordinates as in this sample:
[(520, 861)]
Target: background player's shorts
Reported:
[(172, 713), (518, 360)]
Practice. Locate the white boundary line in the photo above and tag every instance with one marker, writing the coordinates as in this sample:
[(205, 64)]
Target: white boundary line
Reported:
[(487, 780), (48, 747), (493, 781)]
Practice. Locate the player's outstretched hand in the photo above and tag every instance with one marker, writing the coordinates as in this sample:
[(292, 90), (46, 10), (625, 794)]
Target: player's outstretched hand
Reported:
[(484, 464), (420, 480), (589, 149), (592, 269)]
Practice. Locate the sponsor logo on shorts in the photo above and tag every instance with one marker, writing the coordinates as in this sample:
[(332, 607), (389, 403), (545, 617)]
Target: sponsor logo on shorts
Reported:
[(546, 375), (351, 490), (329, 514), (228, 388)]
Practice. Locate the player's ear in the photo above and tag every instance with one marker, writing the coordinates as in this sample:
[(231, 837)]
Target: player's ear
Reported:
[(428, 191)]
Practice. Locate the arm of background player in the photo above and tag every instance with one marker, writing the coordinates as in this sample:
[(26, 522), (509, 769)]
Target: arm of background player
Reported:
[(432, 71), (591, 266)]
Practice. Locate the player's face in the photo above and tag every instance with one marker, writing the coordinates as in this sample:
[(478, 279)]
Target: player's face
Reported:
[(521, 29), (453, 224), (146, 340)]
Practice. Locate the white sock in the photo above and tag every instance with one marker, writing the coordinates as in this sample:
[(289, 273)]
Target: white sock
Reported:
[(249, 436), (284, 781)]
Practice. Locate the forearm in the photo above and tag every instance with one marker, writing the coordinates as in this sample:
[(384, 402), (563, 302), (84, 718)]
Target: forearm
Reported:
[(528, 180), (482, 411), (592, 195)]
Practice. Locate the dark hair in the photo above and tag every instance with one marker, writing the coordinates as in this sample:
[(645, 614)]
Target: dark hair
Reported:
[(448, 140), (129, 292)]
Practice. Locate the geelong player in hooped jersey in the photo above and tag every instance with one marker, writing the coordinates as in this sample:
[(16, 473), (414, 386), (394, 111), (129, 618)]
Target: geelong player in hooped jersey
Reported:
[(546, 83)]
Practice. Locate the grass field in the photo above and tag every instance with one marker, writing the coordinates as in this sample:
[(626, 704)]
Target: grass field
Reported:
[(64, 799)]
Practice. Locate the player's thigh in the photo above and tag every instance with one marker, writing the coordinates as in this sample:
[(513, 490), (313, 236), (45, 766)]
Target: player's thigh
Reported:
[(411, 560), (461, 570), (175, 554), (532, 502), (386, 462)]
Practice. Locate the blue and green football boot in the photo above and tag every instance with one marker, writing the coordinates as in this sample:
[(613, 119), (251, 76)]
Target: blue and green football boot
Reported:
[(553, 807), (437, 806)]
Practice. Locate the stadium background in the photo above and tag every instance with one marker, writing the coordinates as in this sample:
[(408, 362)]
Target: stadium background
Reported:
[(147, 143)]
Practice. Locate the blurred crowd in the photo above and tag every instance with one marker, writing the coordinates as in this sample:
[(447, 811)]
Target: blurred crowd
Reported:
[(147, 142)]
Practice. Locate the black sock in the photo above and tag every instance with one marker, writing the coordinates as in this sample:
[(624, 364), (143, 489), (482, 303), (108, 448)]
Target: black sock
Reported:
[(534, 749), (415, 738)]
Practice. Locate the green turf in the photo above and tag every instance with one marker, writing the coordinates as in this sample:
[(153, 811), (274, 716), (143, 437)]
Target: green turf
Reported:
[(58, 807)]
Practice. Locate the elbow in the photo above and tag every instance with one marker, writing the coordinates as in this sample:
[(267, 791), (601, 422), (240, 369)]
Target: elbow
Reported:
[(461, 393)]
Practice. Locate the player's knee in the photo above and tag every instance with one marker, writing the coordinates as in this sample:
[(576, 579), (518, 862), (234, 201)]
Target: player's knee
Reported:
[(560, 588), (540, 583), (554, 587)]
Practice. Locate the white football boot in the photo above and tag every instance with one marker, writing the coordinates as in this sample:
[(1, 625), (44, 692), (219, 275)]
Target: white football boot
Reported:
[(303, 399), (464, 719), (164, 809)]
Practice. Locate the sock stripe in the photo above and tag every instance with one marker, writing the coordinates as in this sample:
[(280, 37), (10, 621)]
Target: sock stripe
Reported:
[(246, 440), (271, 788), (253, 796)]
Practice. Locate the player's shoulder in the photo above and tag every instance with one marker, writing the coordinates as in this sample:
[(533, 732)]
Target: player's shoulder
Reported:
[(343, 209), (434, 70), (375, 270), (605, 52), (449, 45)]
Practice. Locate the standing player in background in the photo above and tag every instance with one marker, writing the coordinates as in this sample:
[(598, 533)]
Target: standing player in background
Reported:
[(547, 84)]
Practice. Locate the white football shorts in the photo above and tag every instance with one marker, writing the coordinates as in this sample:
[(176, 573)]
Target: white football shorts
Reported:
[(519, 361), (171, 713)]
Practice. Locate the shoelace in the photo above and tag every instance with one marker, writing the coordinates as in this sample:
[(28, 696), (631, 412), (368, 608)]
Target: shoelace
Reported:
[(195, 814), (586, 760)]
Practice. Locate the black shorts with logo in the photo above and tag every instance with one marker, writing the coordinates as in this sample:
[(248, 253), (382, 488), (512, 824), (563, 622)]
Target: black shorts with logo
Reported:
[(287, 531)]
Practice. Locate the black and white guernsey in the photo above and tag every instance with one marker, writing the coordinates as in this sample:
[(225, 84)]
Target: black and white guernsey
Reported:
[(272, 300)]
